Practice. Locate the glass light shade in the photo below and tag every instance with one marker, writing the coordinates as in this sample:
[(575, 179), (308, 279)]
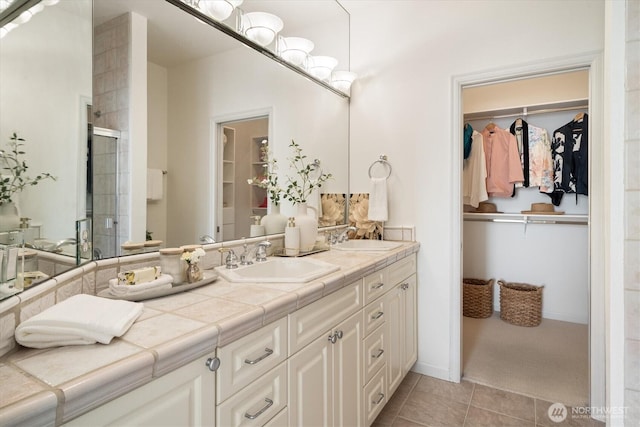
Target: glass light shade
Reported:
[(219, 9), (295, 49), (321, 66), (261, 27), (342, 80)]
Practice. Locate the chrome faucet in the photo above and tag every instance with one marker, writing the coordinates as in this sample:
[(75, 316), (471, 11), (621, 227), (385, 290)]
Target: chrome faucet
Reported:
[(244, 256), (57, 247), (344, 236), (232, 260), (261, 250), (207, 239)]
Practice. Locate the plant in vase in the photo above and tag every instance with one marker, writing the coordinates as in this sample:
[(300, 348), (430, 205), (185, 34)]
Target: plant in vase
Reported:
[(273, 222), (194, 273), (298, 191), (14, 179)]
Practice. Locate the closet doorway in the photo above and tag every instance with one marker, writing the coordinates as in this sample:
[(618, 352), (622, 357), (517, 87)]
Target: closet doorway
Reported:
[(558, 360)]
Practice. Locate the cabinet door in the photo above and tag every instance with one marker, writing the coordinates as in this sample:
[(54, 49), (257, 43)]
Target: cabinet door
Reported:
[(310, 388), (184, 397), (395, 337), (347, 372), (410, 323)]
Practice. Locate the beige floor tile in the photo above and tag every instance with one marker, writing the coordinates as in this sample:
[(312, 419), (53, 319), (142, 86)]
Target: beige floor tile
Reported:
[(433, 410), (478, 417), (504, 402), (401, 422), (459, 392)]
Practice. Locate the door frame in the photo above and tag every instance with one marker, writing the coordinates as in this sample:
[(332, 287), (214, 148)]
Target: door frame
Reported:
[(593, 62)]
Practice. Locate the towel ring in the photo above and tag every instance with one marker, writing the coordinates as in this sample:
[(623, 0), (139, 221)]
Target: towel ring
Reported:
[(315, 166), (383, 161)]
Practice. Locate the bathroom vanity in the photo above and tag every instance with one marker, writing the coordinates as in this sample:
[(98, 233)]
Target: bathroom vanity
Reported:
[(331, 351)]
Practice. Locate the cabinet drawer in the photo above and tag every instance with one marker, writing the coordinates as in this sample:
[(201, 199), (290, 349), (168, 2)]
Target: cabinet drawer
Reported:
[(374, 316), (257, 404), (375, 284), (374, 353), (310, 322), (244, 360), (280, 420), (374, 397), (401, 270)]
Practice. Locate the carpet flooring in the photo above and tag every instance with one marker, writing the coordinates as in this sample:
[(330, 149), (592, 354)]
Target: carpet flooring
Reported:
[(549, 361)]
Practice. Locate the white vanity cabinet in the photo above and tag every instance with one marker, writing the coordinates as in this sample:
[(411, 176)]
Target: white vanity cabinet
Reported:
[(252, 378), (400, 306), (184, 397), (325, 374)]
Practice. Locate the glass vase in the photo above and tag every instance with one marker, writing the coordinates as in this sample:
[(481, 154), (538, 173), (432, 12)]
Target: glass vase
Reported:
[(194, 274)]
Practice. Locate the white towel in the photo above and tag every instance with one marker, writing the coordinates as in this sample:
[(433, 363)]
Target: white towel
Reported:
[(118, 289), (378, 200), (154, 184), (314, 201), (80, 319)]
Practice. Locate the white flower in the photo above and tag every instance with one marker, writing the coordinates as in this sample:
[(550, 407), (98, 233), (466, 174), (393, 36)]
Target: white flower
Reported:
[(194, 256)]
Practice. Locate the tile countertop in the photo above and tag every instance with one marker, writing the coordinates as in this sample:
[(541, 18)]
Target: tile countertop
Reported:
[(64, 382)]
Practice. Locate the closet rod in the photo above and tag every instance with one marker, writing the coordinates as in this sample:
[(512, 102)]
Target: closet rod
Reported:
[(527, 113)]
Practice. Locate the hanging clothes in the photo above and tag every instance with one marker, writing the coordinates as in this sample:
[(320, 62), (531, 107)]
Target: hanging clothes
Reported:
[(474, 173), (537, 164), (569, 151), (468, 139), (504, 169)]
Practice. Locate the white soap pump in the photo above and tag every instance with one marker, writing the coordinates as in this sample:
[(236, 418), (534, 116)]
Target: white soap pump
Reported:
[(256, 228), (291, 238)]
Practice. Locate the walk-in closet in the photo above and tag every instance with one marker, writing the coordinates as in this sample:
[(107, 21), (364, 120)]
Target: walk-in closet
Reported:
[(530, 227)]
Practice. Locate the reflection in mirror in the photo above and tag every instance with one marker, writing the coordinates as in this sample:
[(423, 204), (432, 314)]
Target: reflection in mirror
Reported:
[(46, 87), (195, 82)]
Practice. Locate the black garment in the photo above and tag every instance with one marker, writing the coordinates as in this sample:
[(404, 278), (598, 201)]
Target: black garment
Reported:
[(468, 139), (524, 150), (569, 151)]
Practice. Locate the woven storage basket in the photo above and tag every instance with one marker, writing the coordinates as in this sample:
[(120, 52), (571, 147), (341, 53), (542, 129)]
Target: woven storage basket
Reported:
[(520, 303), (477, 298)]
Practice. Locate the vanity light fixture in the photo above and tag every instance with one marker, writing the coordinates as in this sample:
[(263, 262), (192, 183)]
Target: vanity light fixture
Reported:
[(219, 9), (342, 80), (261, 27), (295, 50), (13, 17), (321, 66)]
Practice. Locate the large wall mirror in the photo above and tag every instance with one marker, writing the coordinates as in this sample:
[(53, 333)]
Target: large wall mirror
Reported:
[(164, 86)]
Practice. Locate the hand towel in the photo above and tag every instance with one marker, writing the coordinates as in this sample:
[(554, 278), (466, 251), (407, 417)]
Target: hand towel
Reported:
[(154, 184), (378, 210), (314, 201), (80, 319), (139, 275), (118, 289)]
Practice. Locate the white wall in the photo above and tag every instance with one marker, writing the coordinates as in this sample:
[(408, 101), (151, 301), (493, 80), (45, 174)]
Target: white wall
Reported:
[(406, 54)]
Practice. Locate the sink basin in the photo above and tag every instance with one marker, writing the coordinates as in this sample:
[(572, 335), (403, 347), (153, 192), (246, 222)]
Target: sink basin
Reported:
[(366, 245), (278, 270)]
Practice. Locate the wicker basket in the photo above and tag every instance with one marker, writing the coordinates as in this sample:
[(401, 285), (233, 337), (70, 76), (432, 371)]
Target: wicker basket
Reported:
[(477, 298), (520, 303)]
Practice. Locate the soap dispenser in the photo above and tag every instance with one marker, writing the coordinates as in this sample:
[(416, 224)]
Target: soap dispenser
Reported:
[(291, 238), (256, 228)]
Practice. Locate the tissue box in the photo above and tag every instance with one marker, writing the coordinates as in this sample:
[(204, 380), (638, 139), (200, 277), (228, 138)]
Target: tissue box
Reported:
[(139, 275)]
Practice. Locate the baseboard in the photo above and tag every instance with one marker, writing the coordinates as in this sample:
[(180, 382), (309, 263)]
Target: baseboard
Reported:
[(563, 317), (431, 371)]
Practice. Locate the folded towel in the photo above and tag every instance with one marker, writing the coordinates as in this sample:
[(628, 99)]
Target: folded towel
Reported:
[(154, 184), (138, 276), (80, 319), (118, 289), (378, 210), (314, 200)]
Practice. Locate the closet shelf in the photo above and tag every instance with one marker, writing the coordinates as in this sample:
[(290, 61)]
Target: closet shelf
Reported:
[(524, 111), (527, 219)]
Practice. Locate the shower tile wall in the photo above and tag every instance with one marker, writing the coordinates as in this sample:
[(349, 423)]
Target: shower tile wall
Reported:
[(111, 99), (632, 215)]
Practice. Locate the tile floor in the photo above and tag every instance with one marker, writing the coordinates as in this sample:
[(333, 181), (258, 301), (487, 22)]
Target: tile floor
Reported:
[(425, 401)]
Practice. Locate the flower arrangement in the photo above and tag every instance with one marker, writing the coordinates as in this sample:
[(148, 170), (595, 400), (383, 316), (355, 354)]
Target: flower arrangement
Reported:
[(193, 257), (298, 189), (14, 179), (269, 180)]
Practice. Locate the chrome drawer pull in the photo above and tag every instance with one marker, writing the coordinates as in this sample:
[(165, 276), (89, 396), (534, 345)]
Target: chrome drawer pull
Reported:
[(380, 399), (267, 352), (377, 356), (377, 315), (378, 286), (261, 411)]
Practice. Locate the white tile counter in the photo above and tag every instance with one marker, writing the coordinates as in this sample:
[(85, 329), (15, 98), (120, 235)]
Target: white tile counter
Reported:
[(53, 386)]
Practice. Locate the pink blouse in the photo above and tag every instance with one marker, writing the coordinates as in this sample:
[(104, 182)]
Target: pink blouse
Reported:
[(503, 162)]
